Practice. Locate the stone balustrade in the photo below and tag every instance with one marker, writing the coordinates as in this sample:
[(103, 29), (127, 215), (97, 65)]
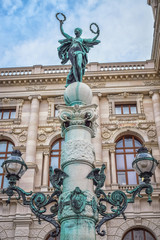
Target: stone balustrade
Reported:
[(91, 67)]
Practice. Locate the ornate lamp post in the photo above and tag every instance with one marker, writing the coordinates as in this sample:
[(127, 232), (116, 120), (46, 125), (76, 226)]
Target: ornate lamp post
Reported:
[(15, 167), (78, 204)]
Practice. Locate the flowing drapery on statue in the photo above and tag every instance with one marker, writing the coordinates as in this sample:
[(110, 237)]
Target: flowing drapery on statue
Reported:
[(75, 49)]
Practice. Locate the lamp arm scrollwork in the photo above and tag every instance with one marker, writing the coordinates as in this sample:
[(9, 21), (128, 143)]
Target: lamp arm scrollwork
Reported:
[(37, 203), (117, 199)]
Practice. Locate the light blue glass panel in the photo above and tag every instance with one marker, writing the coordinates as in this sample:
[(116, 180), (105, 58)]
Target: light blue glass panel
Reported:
[(2, 155), (133, 110), (137, 143), (119, 150), (5, 183), (118, 110), (55, 146), (138, 234), (13, 114), (148, 236), (128, 142), (125, 110), (128, 236), (120, 162), (129, 150), (5, 115), (56, 112), (119, 144), (10, 147), (62, 143), (132, 178), (0, 180), (129, 160), (1, 169), (3, 146), (121, 178), (54, 162)]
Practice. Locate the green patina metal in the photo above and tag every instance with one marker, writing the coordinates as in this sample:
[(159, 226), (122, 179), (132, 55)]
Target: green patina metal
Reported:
[(117, 199), (98, 177), (56, 178), (75, 49), (77, 202)]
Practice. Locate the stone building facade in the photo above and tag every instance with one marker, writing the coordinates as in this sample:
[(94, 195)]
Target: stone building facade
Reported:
[(128, 100)]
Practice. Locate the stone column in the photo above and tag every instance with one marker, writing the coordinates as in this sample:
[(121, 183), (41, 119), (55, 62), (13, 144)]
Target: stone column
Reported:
[(28, 180), (32, 129), (113, 167), (156, 109), (45, 171), (78, 204), (97, 141), (106, 159)]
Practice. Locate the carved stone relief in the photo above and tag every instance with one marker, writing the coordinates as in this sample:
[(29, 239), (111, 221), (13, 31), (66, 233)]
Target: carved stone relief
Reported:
[(151, 133), (77, 150), (36, 88), (152, 82)]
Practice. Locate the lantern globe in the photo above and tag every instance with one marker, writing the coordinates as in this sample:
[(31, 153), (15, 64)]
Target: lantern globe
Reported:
[(144, 164), (14, 167)]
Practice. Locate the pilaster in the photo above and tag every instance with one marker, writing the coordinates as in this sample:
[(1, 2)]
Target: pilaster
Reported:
[(97, 141), (45, 171), (31, 144)]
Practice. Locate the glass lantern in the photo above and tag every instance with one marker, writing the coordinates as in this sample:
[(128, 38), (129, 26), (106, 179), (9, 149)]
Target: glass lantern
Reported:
[(144, 164), (14, 167)]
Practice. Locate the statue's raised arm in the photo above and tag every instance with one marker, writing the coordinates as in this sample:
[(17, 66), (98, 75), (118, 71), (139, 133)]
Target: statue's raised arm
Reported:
[(75, 49), (61, 24)]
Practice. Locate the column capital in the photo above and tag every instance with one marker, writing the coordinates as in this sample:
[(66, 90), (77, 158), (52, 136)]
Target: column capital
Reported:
[(151, 93), (110, 146), (97, 94), (46, 153), (34, 96)]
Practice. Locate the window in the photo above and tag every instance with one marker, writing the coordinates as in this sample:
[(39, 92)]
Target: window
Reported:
[(55, 155), (125, 109), (6, 148), (49, 237), (7, 113), (126, 150), (138, 234), (55, 111)]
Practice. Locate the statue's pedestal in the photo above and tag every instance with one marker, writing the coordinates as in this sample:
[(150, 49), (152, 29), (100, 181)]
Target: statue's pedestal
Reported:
[(78, 203)]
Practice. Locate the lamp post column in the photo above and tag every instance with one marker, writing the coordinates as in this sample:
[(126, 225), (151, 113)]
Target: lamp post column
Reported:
[(78, 204)]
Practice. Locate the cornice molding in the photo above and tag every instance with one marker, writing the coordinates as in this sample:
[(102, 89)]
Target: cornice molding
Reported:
[(40, 81)]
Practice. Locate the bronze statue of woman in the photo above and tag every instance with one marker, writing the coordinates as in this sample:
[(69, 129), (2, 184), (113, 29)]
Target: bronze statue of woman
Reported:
[(75, 49)]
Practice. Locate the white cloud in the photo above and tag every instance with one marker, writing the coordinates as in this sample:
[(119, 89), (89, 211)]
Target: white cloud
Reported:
[(32, 34), (11, 5)]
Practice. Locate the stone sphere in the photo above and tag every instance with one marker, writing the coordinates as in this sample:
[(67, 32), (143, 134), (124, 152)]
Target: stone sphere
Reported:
[(78, 93)]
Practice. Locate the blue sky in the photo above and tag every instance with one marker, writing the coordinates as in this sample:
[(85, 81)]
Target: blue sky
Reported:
[(29, 31)]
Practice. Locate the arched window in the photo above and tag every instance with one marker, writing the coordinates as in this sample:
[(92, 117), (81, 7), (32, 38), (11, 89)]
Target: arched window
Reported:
[(138, 233), (126, 150), (55, 155), (49, 237), (6, 147)]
